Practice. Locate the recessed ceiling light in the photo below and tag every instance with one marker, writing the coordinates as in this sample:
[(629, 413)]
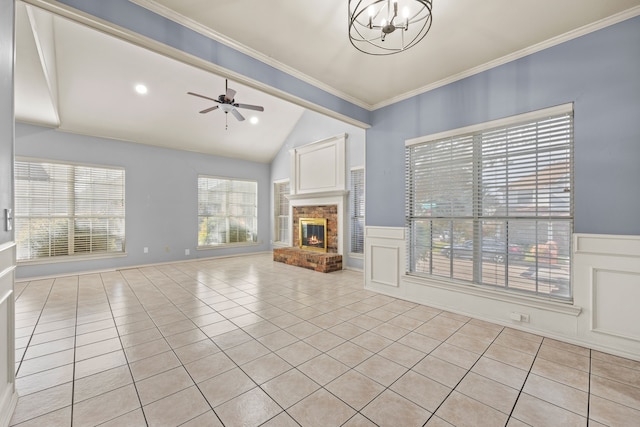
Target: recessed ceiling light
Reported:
[(141, 89), (254, 120)]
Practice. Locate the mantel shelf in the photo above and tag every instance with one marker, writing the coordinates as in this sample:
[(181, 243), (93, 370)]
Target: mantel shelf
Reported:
[(317, 195)]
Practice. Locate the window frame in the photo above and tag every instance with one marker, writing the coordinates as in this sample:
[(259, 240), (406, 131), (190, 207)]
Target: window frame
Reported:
[(478, 132), (278, 214), (356, 214), (74, 253), (227, 216)]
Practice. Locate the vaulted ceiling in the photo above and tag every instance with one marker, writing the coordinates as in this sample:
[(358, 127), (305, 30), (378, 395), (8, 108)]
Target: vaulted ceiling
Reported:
[(77, 79)]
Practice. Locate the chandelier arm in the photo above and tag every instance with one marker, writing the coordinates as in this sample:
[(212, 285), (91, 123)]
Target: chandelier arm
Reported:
[(375, 36)]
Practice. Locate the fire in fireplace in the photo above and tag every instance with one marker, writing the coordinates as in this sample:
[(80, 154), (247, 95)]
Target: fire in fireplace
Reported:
[(313, 234)]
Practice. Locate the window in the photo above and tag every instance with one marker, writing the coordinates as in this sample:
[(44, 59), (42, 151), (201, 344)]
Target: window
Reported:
[(65, 209), (281, 204), (493, 206), (356, 196), (227, 211)]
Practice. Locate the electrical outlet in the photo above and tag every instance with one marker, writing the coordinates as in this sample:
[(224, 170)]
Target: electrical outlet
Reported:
[(187, 251), (146, 250), (519, 317), (166, 248)]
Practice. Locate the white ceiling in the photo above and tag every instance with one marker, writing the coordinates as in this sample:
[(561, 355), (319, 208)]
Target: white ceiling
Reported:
[(80, 80)]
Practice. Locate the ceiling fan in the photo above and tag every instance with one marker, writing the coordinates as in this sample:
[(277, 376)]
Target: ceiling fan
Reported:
[(227, 103)]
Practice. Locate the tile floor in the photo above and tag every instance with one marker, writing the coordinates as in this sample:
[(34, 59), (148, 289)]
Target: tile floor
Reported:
[(247, 342)]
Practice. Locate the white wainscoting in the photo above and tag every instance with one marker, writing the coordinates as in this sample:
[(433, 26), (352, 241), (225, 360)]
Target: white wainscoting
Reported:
[(384, 258), (8, 395), (607, 282), (605, 314)]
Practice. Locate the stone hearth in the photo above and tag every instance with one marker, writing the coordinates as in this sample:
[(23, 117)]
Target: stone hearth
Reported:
[(317, 261)]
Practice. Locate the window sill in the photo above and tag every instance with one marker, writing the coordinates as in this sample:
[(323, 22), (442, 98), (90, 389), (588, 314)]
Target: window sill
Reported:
[(567, 308), (356, 255), (70, 258)]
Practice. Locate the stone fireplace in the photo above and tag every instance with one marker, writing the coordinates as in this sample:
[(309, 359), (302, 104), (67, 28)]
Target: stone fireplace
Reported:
[(328, 213), (318, 179)]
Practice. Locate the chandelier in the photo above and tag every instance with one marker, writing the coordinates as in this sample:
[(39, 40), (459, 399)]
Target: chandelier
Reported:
[(385, 27)]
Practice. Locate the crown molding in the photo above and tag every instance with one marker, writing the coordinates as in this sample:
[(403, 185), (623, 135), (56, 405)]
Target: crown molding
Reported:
[(554, 41), (208, 32)]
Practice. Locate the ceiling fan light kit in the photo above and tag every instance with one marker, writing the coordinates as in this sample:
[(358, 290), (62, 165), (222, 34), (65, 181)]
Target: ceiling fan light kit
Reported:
[(385, 27), (227, 104)]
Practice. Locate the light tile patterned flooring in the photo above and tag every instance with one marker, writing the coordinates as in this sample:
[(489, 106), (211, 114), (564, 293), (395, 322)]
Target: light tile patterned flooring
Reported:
[(246, 341)]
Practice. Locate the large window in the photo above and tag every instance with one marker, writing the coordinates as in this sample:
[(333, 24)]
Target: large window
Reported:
[(227, 211), (356, 200), (493, 205), (64, 209), (281, 215)]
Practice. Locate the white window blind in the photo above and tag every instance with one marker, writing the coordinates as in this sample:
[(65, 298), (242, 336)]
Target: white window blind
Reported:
[(227, 211), (356, 196), (64, 209), (495, 206), (281, 220)]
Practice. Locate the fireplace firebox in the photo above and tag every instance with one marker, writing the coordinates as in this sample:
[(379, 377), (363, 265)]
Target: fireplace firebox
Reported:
[(313, 234)]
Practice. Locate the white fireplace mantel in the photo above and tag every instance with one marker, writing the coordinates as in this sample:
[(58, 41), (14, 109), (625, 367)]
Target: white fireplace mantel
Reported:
[(318, 178)]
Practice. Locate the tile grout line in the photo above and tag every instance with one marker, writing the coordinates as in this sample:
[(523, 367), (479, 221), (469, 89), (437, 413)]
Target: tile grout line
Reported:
[(525, 381), (17, 371), (433, 414), (75, 333), (288, 370), (589, 389), (122, 345), (171, 347)]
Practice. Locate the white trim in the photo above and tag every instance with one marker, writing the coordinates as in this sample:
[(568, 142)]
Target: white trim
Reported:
[(6, 415), (498, 295), (554, 41), (275, 212), (503, 122), (67, 163), (227, 246), (605, 244), (46, 68), (70, 258), (8, 392), (133, 267)]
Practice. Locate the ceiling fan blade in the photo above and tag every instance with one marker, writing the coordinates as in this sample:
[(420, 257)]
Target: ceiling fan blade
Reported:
[(229, 95), (202, 96), (237, 114), (250, 107), (206, 110)]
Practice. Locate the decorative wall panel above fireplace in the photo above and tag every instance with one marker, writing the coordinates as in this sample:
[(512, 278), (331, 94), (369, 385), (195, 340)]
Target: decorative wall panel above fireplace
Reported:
[(319, 167), (318, 189)]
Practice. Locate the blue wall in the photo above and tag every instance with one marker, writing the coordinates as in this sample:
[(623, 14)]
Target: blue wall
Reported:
[(599, 73), (161, 196)]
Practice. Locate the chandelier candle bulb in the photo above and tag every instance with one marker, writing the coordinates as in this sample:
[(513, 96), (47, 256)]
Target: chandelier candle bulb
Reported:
[(370, 38)]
